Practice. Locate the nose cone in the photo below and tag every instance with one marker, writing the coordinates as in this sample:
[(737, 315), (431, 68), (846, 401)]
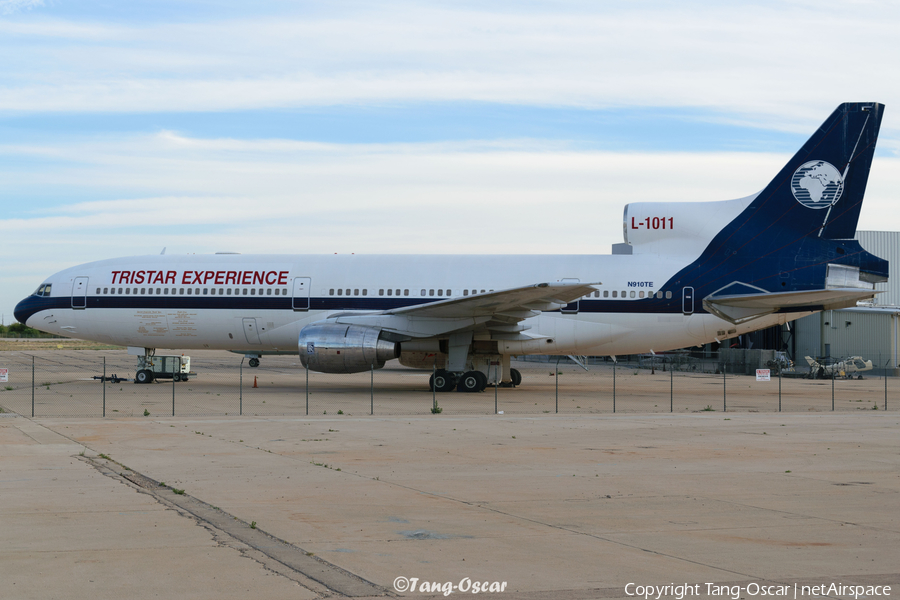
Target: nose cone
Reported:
[(26, 309)]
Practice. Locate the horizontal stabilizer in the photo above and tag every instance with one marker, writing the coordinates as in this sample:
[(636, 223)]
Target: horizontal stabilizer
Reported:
[(738, 308)]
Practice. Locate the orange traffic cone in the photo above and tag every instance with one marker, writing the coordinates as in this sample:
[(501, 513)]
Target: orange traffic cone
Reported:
[(254, 381)]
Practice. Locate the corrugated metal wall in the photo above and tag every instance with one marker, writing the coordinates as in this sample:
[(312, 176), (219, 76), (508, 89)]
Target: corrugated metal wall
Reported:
[(886, 245), (850, 332)]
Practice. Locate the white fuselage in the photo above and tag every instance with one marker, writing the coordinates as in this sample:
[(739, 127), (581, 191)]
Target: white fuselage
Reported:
[(259, 303)]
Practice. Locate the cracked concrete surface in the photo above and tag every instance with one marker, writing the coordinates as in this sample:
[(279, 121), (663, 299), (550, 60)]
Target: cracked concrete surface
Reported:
[(557, 506)]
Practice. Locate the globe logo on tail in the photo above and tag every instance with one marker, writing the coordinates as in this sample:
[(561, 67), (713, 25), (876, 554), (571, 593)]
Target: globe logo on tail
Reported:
[(817, 184)]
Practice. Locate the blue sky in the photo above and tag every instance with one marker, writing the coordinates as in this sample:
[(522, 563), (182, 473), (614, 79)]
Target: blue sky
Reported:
[(286, 126)]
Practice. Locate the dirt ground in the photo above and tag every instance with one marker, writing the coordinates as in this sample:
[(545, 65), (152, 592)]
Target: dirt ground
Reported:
[(65, 382)]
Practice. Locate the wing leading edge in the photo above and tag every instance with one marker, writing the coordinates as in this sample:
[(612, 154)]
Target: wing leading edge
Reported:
[(500, 311)]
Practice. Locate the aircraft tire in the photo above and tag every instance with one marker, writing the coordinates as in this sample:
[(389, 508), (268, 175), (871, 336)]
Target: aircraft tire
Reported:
[(516, 377), (442, 381), (254, 362), (470, 382), (143, 376)]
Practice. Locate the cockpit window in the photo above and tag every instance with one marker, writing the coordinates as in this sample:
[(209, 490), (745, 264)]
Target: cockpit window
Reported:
[(39, 291), (47, 290), (43, 290)]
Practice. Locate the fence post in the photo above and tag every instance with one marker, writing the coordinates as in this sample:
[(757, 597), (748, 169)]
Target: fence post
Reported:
[(241, 389), (780, 368), (885, 384), (32, 386), (671, 388), (615, 361), (832, 390), (724, 388), (496, 383), (372, 390), (556, 374), (307, 386), (173, 388), (433, 386), (103, 381)]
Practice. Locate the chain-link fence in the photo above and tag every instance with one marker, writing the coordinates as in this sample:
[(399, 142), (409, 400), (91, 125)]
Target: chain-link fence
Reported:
[(74, 383)]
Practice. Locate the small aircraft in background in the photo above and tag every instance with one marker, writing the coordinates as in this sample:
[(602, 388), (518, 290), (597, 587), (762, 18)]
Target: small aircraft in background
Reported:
[(829, 368)]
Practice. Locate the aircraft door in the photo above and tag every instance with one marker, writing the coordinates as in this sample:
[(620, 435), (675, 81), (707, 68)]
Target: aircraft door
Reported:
[(79, 292), (300, 294), (687, 300), (572, 307), (250, 331)]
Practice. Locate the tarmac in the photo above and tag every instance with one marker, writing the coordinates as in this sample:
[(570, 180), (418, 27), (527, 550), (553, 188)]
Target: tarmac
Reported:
[(545, 506)]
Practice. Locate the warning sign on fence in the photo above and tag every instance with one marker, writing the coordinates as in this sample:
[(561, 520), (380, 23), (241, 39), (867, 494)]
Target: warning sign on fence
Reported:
[(4, 375), (762, 374)]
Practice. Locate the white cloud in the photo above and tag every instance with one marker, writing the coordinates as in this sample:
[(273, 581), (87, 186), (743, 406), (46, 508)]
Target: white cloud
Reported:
[(769, 62), (8, 7)]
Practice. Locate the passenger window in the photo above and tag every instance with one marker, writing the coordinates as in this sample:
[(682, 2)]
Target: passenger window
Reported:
[(365, 291), (221, 291), (397, 293), (431, 292), (406, 292), (205, 291), (228, 292), (120, 290), (640, 294), (166, 291), (465, 292), (624, 294), (389, 292), (356, 292), (668, 295), (606, 293), (190, 291), (340, 292), (331, 292), (615, 294), (381, 292), (423, 292), (105, 290), (632, 294)]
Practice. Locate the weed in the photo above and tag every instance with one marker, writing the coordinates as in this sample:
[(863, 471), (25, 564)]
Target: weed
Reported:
[(162, 484), (105, 457), (513, 437), (82, 450), (338, 469), (146, 413), (787, 471), (874, 407), (332, 430), (436, 410), (252, 524), (179, 492), (709, 408), (9, 387), (340, 412)]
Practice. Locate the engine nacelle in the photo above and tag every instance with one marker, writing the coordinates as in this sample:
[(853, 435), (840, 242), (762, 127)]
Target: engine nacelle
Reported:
[(336, 348)]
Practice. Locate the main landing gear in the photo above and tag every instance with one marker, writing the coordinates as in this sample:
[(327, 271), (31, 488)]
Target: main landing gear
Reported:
[(469, 382)]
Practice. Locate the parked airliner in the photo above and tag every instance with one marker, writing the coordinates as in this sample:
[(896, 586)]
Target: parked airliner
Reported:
[(697, 273)]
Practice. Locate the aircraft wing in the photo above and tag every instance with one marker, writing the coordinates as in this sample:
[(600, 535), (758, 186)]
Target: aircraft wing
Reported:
[(500, 311)]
